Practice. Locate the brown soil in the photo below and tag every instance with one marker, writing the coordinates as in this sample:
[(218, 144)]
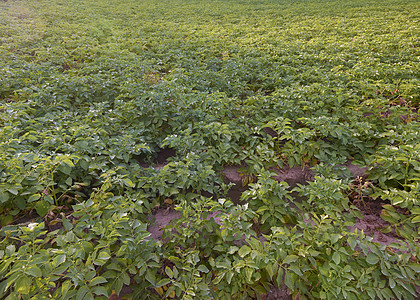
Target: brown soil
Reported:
[(160, 219), (164, 154), (356, 171), (231, 174), (160, 161), (275, 293), (371, 224), (294, 176)]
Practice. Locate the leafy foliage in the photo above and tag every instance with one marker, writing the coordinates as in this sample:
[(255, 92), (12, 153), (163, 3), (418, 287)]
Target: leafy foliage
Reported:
[(92, 94)]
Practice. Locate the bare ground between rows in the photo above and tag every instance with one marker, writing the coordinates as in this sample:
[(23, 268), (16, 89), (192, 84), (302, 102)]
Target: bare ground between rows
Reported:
[(232, 174), (371, 223), (159, 161)]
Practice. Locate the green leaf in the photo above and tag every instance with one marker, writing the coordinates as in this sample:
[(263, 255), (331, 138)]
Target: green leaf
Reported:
[(89, 275), (414, 267), (58, 260), (296, 269), (223, 264), (233, 249), (202, 286), (23, 285), (336, 258), (387, 293), (82, 292), (352, 242), (65, 168), (67, 224), (163, 282), (262, 209), (271, 269), (249, 272), (97, 280), (313, 262), (260, 289), (87, 246), (4, 197), (65, 288), (416, 219), (229, 275), (33, 198), (245, 250), (49, 199), (69, 181), (335, 237), (100, 290), (34, 271), (171, 292), (364, 248), (372, 258), (89, 296), (290, 279), (13, 190), (175, 272), (42, 208), (279, 278), (68, 162), (169, 272), (203, 268), (391, 283), (5, 220), (150, 277), (104, 255), (128, 182), (290, 258), (125, 278), (371, 293)]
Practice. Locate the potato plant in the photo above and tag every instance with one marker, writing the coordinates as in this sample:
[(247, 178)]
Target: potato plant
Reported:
[(114, 111)]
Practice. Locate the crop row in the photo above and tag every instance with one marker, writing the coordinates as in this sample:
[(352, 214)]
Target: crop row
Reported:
[(111, 112)]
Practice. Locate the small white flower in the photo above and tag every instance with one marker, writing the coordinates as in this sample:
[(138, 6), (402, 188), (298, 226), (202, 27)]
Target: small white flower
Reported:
[(31, 226)]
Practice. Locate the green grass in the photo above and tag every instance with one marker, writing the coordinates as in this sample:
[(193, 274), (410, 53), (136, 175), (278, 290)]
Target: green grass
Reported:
[(92, 91)]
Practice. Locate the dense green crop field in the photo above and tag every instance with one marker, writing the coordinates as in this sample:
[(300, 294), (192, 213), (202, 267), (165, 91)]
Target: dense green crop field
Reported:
[(115, 113)]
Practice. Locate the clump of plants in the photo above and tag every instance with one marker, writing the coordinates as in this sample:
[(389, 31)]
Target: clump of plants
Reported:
[(92, 93)]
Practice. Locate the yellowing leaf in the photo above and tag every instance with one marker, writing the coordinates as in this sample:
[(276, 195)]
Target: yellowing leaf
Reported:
[(159, 290), (128, 182), (416, 219), (23, 285)]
